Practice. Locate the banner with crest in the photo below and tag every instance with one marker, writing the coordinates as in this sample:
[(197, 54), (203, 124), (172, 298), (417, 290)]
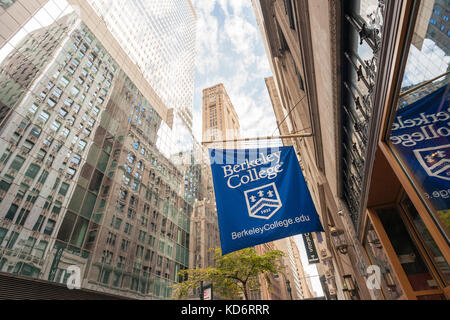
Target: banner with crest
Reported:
[(421, 137), (261, 196)]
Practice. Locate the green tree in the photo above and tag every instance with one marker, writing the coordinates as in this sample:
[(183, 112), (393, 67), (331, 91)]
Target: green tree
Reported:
[(234, 274)]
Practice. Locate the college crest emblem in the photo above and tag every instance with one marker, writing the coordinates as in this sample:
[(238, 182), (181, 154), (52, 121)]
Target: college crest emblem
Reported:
[(263, 202), (435, 161)]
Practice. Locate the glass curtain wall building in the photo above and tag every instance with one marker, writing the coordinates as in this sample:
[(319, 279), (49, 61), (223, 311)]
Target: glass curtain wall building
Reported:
[(91, 176), (159, 36)]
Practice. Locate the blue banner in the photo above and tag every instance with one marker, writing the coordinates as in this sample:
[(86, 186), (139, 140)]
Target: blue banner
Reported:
[(261, 196), (421, 137)]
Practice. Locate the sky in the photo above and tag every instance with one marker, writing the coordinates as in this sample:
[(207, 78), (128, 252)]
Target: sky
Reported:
[(230, 51)]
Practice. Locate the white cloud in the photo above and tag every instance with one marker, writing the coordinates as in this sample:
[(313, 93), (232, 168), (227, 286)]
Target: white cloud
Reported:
[(426, 64), (242, 35), (207, 44), (239, 6), (230, 51)]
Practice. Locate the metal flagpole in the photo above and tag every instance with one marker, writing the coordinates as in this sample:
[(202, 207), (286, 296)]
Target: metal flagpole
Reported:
[(287, 136), (422, 84)]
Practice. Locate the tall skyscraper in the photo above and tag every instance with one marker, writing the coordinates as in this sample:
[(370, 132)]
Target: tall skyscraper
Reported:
[(89, 176), (159, 37), (220, 120), (204, 224)]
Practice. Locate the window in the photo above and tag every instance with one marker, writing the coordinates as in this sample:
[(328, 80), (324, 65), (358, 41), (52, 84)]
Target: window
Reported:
[(82, 144), (33, 108), (3, 233), (71, 172), (64, 81), (68, 102), (406, 249), (131, 158), (51, 102), (139, 251), (142, 235), (17, 163), (39, 223), (124, 245), (75, 63), (57, 92), (55, 125), (128, 228), (44, 116), (39, 250), (35, 132), (76, 159), (22, 217), (63, 112), (27, 146), (74, 91), (91, 122), (11, 212), (49, 227), (65, 132), (107, 257), (28, 246), (64, 188), (32, 171), (423, 154), (116, 223), (12, 240), (56, 74), (43, 177), (121, 262)]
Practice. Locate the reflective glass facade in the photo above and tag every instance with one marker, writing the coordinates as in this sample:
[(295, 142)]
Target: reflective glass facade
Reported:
[(420, 134), (90, 174), (158, 36)]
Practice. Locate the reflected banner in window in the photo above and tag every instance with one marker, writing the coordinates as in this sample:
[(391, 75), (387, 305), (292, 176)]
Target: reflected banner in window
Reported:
[(421, 137)]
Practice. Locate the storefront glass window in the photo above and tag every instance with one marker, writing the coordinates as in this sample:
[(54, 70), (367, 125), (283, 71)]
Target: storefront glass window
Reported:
[(427, 240), (389, 283), (420, 132), (406, 250)]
